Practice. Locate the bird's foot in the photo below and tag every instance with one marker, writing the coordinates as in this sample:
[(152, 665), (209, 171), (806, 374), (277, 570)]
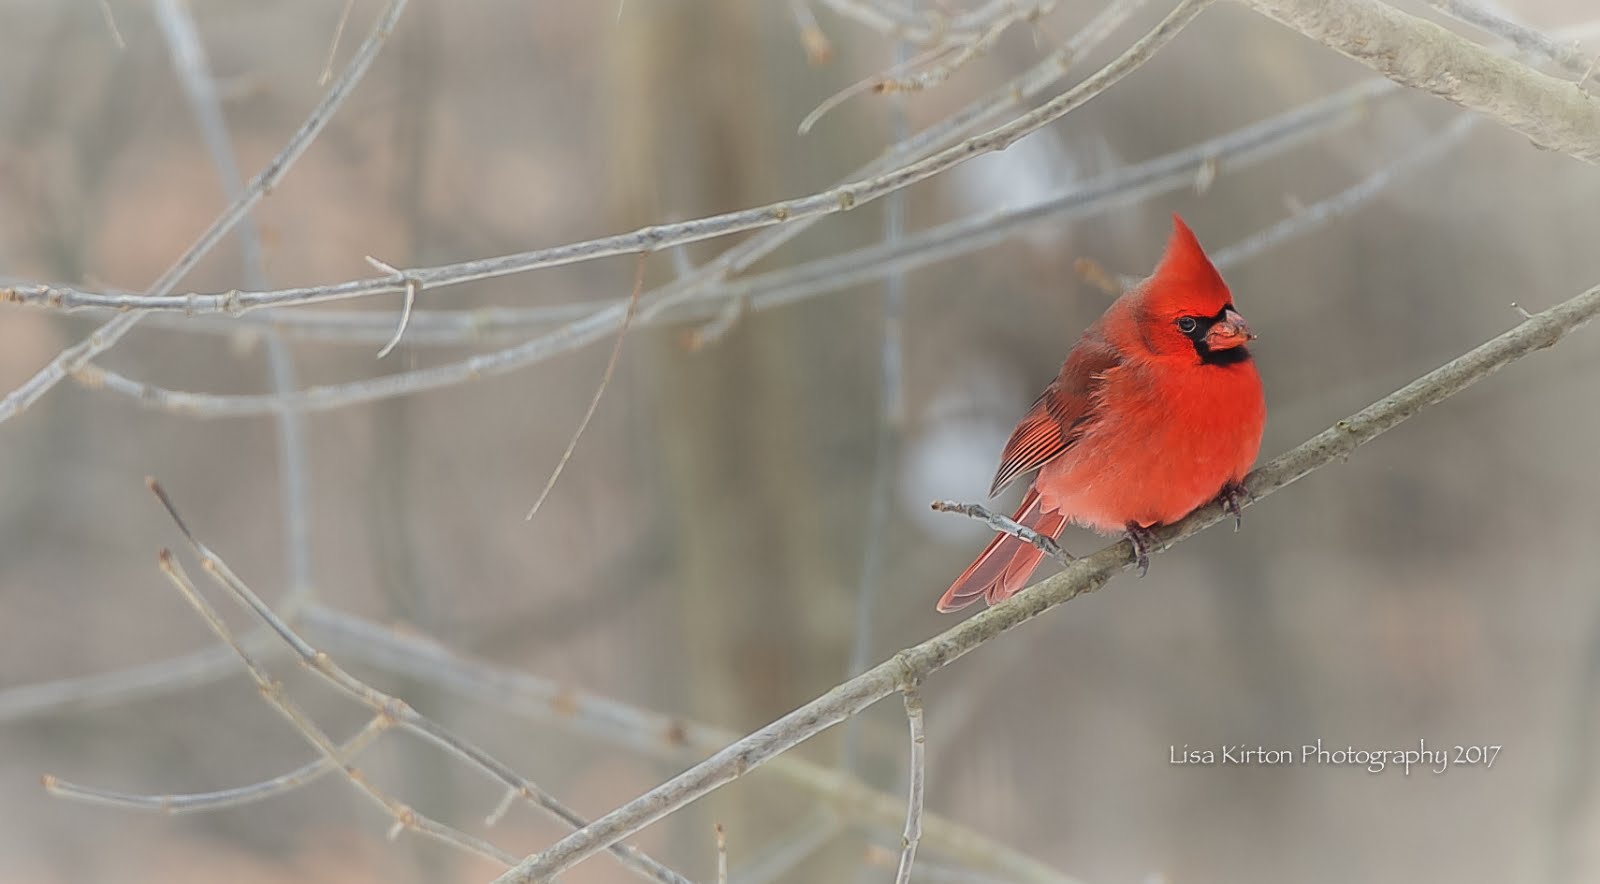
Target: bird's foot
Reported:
[(1142, 540), (1233, 498)]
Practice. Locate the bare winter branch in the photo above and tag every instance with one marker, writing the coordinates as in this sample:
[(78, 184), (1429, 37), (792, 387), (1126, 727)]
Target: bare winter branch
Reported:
[(1414, 52)]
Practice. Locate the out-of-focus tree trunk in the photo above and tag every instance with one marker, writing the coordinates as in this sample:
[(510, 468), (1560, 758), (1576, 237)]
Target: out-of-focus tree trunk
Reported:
[(742, 481)]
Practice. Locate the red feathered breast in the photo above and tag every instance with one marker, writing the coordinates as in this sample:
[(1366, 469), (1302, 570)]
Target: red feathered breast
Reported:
[(1163, 439)]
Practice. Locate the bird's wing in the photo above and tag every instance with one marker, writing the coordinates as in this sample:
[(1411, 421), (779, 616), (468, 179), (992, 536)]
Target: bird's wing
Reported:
[(1060, 414)]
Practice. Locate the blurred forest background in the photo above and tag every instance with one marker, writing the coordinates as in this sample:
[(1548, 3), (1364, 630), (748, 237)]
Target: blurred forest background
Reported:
[(745, 484)]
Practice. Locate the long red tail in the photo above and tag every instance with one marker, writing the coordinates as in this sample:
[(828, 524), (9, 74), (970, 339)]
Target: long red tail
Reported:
[(1004, 567)]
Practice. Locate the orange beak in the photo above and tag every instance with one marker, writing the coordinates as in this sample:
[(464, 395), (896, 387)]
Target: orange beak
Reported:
[(1231, 332)]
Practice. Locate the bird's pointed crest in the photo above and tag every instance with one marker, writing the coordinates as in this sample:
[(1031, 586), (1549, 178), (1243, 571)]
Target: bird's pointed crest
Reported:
[(1186, 275)]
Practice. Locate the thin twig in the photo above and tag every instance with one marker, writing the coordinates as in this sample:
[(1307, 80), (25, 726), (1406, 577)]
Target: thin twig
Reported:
[(967, 50), (1082, 576), (1095, 274), (913, 832), (718, 326), (111, 24), (722, 855), (333, 45), (74, 358), (594, 401), (1003, 525), (404, 816), (868, 84), (129, 685), (812, 38), (197, 802), (412, 289), (394, 708)]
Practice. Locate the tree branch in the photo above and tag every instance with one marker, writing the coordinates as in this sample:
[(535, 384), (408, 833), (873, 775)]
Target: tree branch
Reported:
[(651, 733), (1004, 525), (1554, 113), (1082, 576), (913, 831), (197, 802)]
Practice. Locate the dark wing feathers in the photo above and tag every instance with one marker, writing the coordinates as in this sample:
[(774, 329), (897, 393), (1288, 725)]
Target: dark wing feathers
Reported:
[(1035, 441), (1060, 414)]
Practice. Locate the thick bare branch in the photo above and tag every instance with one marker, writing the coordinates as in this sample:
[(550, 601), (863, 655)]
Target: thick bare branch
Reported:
[(1554, 113), (1082, 576)]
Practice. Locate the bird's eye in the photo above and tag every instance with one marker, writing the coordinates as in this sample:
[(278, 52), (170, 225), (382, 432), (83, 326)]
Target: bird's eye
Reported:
[(1187, 325)]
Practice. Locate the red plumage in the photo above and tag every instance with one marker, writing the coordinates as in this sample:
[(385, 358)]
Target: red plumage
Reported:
[(1157, 410)]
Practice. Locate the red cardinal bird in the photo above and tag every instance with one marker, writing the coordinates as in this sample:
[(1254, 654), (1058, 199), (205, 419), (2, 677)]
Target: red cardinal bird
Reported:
[(1157, 410)]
